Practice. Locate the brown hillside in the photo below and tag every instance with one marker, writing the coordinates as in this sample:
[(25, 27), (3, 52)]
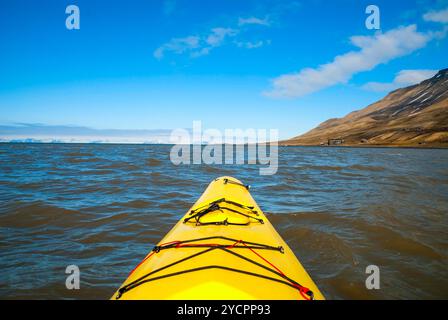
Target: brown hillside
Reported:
[(412, 116)]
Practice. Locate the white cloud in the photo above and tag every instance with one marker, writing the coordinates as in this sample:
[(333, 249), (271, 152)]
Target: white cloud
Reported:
[(196, 46), (375, 50), (437, 16), (253, 20), (253, 45), (178, 45), (203, 52), (218, 35), (402, 79), (201, 45)]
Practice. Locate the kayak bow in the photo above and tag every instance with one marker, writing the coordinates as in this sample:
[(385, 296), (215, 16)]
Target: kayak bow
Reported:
[(223, 248)]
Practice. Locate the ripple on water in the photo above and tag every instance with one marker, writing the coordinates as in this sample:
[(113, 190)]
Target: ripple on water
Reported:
[(103, 207)]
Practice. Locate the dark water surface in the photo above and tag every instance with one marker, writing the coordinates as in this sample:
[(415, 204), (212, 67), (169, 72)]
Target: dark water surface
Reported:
[(103, 207)]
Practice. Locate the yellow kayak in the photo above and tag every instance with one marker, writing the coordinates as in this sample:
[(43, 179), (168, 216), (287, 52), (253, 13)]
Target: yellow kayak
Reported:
[(223, 248)]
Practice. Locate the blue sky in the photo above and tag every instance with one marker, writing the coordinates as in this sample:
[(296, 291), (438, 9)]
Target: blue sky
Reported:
[(136, 64)]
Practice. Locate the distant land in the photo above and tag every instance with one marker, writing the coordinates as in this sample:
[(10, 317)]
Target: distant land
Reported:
[(40, 133), (413, 116)]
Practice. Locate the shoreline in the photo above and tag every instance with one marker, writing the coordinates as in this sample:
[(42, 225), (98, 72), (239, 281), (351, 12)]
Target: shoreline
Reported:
[(383, 146), (280, 144)]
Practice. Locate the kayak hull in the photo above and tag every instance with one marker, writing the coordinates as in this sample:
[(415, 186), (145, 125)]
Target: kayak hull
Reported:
[(233, 253)]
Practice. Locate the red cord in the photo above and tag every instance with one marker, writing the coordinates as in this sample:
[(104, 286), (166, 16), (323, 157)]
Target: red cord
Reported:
[(233, 245), (146, 258), (180, 245), (302, 290), (150, 255)]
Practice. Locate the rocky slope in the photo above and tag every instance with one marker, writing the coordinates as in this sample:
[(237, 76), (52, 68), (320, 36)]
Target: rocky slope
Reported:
[(411, 116)]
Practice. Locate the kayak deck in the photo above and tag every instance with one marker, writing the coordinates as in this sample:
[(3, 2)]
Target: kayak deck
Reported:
[(223, 248)]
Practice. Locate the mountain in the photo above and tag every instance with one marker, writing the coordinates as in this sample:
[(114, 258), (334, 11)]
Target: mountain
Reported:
[(411, 116)]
